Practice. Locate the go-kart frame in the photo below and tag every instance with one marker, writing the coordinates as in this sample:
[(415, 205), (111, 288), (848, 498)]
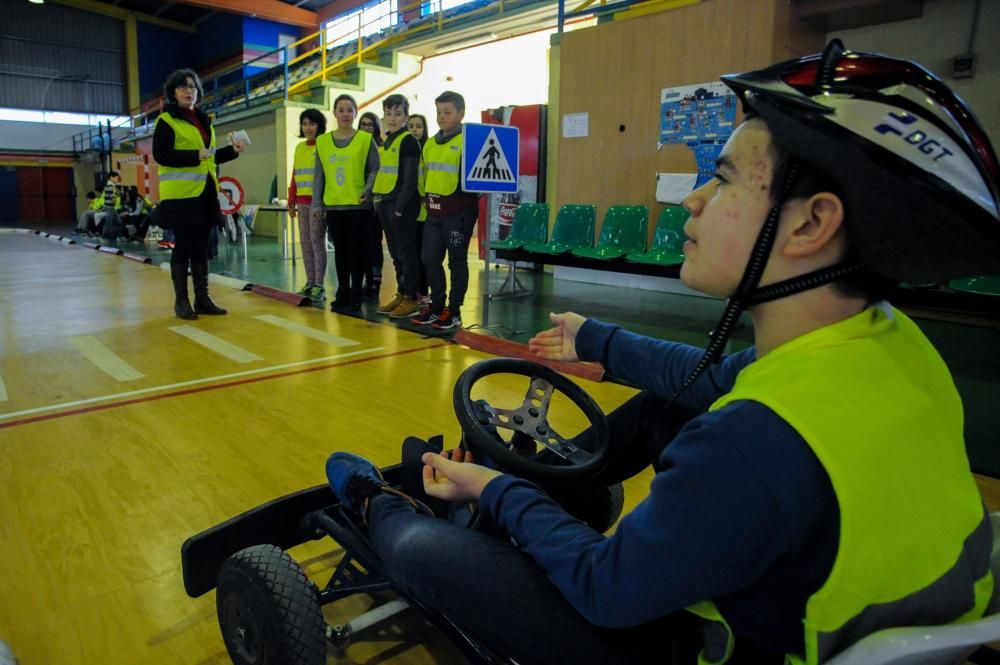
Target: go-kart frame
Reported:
[(283, 523)]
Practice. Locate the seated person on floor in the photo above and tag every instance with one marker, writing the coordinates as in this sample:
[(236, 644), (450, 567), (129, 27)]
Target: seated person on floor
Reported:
[(133, 212), (809, 490), (86, 223)]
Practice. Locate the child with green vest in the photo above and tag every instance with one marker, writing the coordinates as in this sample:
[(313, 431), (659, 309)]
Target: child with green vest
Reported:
[(417, 127), (398, 204), (451, 217), (346, 164), (374, 254), (312, 233), (809, 490)]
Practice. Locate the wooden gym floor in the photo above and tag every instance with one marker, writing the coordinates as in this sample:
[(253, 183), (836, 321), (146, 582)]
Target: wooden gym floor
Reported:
[(123, 431)]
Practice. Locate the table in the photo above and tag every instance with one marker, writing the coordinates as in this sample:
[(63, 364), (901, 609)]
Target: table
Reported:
[(283, 211)]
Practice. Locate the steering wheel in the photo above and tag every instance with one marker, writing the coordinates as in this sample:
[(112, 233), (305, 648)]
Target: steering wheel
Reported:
[(559, 459)]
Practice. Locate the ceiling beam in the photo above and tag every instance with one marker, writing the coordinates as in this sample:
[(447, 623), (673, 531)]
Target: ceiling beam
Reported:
[(272, 10), (164, 7), (122, 14)]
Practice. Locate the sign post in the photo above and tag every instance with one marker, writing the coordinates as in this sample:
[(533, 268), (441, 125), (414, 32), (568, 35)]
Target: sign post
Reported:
[(230, 195), (490, 162), (489, 158)]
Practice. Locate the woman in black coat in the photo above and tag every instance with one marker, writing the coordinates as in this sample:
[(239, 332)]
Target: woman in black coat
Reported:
[(185, 152)]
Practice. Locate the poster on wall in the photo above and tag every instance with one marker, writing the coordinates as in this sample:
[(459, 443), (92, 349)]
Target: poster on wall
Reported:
[(700, 116)]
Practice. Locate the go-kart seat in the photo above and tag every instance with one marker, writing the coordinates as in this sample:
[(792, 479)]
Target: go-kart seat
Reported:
[(931, 645)]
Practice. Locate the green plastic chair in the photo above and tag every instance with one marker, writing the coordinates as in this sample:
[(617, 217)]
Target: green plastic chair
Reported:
[(574, 227), (531, 224), (987, 285), (668, 239), (623, 231)]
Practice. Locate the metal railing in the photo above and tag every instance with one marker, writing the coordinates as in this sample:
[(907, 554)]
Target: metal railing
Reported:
[(284, 71)]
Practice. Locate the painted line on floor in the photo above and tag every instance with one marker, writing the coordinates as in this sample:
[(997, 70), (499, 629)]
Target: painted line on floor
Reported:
[(216, 344), (3, 391), (105, 359), (188, 391), (319, 335)]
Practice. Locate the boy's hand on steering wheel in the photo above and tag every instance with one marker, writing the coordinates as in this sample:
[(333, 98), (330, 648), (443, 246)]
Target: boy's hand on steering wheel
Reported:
[(558, 343), (453, 477)]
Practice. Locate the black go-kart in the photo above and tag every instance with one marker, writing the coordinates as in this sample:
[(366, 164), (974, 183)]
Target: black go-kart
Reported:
[(270, 613)]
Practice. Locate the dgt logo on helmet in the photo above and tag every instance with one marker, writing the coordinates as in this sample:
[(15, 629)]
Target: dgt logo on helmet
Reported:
[(917, 138)]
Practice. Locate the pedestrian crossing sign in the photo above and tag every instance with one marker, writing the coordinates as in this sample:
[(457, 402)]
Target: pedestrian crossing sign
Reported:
[(489, 158)]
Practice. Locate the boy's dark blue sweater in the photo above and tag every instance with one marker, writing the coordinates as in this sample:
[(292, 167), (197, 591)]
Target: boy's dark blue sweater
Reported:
[(743, 512)]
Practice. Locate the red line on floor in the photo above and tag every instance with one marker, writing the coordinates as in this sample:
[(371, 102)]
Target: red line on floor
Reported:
[(201, 389)]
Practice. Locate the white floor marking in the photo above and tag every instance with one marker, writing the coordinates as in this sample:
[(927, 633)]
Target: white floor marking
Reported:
[(185, 384), (216, 344), (105, 359), (301, 329)]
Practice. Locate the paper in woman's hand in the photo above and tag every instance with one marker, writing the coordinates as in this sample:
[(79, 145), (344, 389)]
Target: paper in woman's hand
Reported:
[(240, 136)]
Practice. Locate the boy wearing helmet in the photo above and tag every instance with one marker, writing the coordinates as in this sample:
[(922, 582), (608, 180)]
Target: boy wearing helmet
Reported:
[(815, 488)]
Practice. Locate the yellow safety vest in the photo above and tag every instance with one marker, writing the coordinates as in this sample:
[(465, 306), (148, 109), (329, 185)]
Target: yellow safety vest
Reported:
[(99, 202), (186, 182), (444, 165), (343, 168), (303, 168), (422, 190), (878, 407), (388, 169)]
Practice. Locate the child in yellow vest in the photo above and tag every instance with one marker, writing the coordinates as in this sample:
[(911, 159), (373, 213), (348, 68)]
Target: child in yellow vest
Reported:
[(398, 205), (374, 257), (451, 217), (346, 165), (807, 491), (312, 123)]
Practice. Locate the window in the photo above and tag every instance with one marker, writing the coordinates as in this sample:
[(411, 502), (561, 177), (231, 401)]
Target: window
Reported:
[(442, 5), (370, 19), (60, 118)]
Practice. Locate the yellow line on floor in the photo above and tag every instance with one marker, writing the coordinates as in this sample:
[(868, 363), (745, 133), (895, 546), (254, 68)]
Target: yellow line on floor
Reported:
[(185, 384), (301, 329), (216, 344), (105, 359)]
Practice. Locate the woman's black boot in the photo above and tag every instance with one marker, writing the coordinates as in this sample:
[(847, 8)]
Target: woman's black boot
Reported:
[(202, 303), (182, 306)]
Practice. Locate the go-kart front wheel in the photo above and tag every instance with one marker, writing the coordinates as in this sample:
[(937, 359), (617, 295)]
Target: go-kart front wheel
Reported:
[(268, 610)]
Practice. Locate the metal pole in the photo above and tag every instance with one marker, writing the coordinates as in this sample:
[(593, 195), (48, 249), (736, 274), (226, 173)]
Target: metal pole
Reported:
[(487, 297), (284, 59)]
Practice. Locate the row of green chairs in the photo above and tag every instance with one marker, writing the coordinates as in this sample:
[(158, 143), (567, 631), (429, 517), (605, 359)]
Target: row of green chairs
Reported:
[(987, 285), (623, 234)]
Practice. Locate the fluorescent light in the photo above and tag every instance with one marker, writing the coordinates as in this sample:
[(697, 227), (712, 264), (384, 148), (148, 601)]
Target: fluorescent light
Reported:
[(37, 2)]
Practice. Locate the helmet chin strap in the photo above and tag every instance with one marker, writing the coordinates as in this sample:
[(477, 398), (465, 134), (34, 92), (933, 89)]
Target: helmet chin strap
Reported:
[(806, 282), (748, 293)]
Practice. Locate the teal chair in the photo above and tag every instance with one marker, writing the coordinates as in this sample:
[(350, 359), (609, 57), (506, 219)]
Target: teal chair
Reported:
[(623, 231), (987, 285), (574, 227), (668, 239), (531, 225)]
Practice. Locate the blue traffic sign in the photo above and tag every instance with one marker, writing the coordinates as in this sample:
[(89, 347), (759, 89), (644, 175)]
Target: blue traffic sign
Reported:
[(489, 158)]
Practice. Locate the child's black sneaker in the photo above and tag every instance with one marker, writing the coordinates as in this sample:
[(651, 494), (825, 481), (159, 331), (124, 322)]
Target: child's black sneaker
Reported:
[(426, 317), (447, 320)]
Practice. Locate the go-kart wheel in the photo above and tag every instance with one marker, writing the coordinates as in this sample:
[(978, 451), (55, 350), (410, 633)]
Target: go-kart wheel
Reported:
[(268, 610), (560, 460)]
